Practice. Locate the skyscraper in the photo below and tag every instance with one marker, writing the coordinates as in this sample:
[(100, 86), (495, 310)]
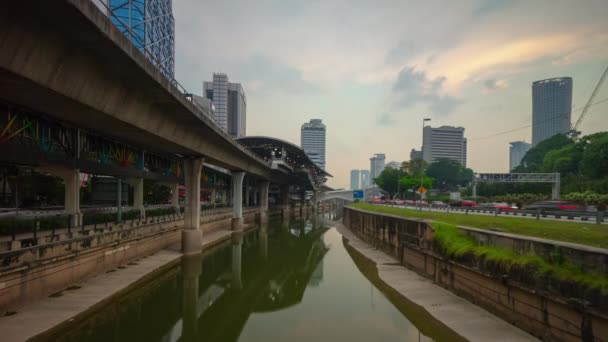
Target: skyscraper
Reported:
[(150, 26), (312, 141), (517, 150), (376, 165), (354, 179), (445, 142), (551, 108), (230, 104), (365, 179)]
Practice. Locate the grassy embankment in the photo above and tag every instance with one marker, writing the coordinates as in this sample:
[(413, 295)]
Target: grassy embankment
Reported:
[(456, 245), (589, 234)]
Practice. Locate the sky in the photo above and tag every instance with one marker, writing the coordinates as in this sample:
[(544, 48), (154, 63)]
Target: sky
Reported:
[(372, 70)]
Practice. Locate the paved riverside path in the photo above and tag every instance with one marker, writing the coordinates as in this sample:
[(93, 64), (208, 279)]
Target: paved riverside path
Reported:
[(40, 316), (463, 317)]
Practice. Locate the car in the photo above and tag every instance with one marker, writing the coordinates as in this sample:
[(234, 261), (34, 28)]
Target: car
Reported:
[(555, 206), (438, 204), (499, 206), (464, 203)]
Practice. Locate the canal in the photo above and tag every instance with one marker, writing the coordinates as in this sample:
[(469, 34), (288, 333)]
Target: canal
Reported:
[(292, 280)]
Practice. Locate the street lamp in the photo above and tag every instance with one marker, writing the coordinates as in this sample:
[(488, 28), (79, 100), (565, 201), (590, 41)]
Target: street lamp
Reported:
[(421, 171)]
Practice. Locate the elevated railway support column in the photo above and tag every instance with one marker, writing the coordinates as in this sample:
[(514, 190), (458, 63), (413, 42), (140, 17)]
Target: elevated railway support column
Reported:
[(315, 201), (192, 236), (138, 195), (237, 249), (237, 200), (263, 189), (71, 181), (284, 200)]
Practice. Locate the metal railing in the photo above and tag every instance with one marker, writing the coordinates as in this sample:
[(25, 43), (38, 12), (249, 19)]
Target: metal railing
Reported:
[(598, 216)]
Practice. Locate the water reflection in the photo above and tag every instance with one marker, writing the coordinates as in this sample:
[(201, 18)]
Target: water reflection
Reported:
[(292, 279)]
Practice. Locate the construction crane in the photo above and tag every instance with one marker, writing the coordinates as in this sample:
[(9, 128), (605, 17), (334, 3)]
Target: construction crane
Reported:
[(574, 132)]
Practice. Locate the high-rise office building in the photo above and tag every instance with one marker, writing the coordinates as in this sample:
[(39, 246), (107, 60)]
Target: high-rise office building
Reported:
[(150, 26), (312, 141), (354, 179), (445, 142), (414, 154), (517, 150), (365, 182), (551, 108), (376, 165), (230, 104)]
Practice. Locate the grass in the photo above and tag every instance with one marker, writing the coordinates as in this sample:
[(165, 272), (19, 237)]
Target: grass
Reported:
[(589, 234), (454, 244)]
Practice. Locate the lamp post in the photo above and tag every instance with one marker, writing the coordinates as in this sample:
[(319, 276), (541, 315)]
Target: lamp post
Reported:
[(421, 171)]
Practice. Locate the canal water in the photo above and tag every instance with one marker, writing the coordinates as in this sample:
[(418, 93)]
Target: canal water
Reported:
[(292, 280)]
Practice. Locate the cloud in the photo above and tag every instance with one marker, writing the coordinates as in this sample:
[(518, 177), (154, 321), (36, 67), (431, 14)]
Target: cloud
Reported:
[(400, 53), (414, 87), (493, 84), (261, 73), (492, 6), (386, 120)]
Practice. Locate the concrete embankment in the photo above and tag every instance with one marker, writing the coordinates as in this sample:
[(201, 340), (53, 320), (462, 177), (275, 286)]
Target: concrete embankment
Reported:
[(543, 314), (464, 318)]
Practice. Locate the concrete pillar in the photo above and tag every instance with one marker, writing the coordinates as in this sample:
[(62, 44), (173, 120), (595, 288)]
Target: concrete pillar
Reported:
[(237, 200), (175, 196), (138, 195), (71, 181), (284, 200), (191, 271), (315, 203), (263, 235), (247, 196), (213, 196), (192, 237), (263, 190), (237, 247)]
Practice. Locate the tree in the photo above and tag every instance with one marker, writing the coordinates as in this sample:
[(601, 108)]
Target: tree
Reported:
[(533, 160), (449, 174), (414, 167), (594, 162), (413, 182), (388, 180), (564, 160)]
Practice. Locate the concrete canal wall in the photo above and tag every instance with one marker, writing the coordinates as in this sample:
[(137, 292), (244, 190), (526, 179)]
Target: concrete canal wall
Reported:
[(34, 268), (542, 313)]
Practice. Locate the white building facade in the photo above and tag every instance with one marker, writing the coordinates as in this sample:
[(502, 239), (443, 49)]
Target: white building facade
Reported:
[(312, 141), (445, 142), (517, 151), (230, 104), (377, 164)]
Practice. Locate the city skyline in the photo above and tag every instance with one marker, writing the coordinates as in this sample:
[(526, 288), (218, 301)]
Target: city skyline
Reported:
[(474, 69)]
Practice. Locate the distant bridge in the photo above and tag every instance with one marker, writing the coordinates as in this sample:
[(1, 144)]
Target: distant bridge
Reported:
[(347, 195)]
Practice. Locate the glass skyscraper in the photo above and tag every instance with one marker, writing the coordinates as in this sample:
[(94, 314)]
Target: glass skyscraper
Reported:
[(150, 26), (551, 108)]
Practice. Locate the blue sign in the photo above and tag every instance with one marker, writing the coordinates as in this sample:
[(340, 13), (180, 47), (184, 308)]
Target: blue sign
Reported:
[(358, 194)]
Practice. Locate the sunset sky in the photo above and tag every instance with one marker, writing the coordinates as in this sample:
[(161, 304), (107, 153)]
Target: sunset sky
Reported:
[(373, 69)]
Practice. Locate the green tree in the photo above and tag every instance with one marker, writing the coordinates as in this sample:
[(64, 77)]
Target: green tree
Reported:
[(449, 174), (388, 180), (564, 160), (413, 182), (414, 167), (534, 158), (594, 161)]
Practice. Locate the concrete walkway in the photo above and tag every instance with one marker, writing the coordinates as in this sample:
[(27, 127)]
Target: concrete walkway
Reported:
[(38, 317), (460, 315)]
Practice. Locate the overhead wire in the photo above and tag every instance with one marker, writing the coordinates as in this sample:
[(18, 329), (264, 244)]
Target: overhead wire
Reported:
[(555, 117)]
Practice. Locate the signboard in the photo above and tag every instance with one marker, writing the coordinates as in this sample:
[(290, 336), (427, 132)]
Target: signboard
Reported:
[(358, 194), (455, 196), (421, 190)]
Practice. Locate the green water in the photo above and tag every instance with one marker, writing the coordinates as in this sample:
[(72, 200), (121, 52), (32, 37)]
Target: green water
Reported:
[(293, 280)]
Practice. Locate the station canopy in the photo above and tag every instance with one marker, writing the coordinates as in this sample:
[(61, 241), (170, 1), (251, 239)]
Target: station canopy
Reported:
[(272, 148)]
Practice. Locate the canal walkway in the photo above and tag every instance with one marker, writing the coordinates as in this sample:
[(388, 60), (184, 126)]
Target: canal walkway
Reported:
[(38, 317), (463, 317)]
